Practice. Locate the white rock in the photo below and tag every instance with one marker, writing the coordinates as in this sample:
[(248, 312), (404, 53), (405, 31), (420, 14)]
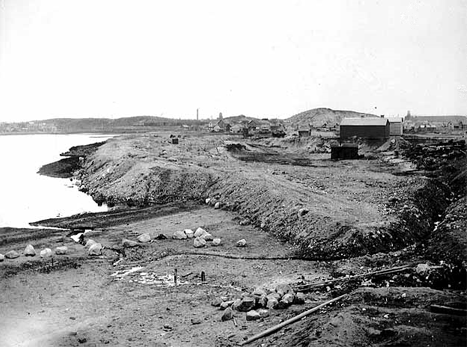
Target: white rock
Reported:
[(216, 242), (208, 200), (12, 255), (200, 232), (199, 242), (46, 252), (207, 236), (129, 243), (252, 315), (95, 249), (76, 237), (2, 257), (89, 243), (217, 205), (241, 243), (61, 250), (29, 251), (179, 235), (189, 233), (143, 238)]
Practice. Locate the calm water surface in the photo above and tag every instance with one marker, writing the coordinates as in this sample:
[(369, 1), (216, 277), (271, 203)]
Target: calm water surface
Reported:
[(26, 196)]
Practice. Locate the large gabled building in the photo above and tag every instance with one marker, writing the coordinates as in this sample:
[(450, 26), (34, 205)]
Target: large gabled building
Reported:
[(369, 128)]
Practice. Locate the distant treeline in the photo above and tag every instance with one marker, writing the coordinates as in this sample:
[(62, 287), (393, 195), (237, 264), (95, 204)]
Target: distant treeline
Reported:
[(71, 125)]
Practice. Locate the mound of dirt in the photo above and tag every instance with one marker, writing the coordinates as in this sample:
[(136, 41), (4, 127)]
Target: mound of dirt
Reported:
[(393, 316), (319, 117)]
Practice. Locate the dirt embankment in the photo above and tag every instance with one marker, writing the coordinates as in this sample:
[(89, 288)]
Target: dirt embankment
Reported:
[(329, 210), (66, 168)]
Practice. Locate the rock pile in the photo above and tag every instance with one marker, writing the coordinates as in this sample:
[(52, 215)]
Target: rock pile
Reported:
[(259, 302)]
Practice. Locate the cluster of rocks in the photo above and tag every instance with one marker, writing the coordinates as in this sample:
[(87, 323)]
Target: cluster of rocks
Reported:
[(200, 237), (29, 251), (259, 302)]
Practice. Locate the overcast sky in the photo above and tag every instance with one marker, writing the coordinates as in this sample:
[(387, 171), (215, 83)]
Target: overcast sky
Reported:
[(112, 58)]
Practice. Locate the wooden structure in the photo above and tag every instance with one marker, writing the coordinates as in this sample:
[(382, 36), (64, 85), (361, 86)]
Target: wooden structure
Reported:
[(368, 128), (344, 151)]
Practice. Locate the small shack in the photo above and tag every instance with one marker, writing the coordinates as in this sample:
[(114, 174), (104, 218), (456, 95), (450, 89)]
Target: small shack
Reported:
[(344, 151), (304, 131), (368, 128), (395, 126)]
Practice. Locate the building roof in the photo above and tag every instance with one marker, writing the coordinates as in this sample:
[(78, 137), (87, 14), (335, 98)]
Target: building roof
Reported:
[(395, 119), (367, 121)]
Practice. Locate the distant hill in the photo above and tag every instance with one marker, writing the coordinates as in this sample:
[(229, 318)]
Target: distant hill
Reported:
[(74, 125), (318, 117), (238, 119)]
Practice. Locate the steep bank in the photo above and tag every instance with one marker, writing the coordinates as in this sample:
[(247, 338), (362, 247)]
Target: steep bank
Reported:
[(66, 168), (328, 210)]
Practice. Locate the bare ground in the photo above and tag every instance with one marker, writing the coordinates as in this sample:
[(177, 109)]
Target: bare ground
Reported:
[(354, 211)]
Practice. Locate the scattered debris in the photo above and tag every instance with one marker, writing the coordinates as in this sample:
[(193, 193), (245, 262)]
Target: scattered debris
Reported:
[(122, 273), (290, 321)]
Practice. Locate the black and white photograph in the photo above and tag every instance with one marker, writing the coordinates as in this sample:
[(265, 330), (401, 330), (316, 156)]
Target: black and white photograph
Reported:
[(221, 173)]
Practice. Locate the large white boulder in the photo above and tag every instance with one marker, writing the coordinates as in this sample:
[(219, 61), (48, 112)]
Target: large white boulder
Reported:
[(2, 257), (89, 243), (12, 255), (189, 233), (200, 232), (143, 238), (95, 249), (179, 235), (29, 251), (46, 252), (62, 250), (199, 242)]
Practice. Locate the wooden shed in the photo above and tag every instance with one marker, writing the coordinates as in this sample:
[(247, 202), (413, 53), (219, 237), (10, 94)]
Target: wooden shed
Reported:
[(345, 151), (369, 128), (395, 126)]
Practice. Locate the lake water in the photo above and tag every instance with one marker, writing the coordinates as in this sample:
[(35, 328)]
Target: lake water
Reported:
[(26, 196)]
